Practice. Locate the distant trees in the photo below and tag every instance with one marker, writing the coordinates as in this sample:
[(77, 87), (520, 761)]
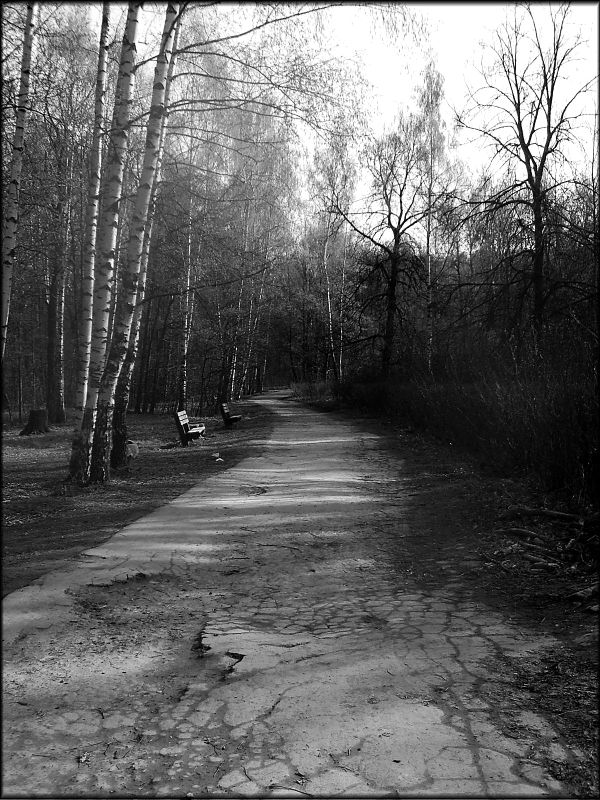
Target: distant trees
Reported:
[(10, 220), (401, 201)]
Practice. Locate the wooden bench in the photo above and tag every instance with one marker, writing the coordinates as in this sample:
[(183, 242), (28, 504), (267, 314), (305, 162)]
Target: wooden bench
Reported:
[(187, 431), (228, 417)]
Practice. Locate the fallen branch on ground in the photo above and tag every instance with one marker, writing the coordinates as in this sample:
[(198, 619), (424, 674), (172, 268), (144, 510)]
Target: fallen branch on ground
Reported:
[(547, 512)]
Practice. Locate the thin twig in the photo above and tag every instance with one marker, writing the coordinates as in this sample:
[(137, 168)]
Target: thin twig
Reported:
[(547, 512)]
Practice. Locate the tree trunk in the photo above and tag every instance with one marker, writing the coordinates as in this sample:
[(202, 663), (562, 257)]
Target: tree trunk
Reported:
[(142, 376), (107, 235), (123, 390), (538, 263), (236, 356), (342, 290), (89, 249), (233, 361), (253, 327), (55, 385), (118, 455), (187, 299), (37, 422), (100, 467), (329, 311), (429, 276), (390, 317), (10, 221)]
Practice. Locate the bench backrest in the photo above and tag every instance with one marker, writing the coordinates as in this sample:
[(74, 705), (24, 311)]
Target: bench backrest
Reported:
[(183, 419)]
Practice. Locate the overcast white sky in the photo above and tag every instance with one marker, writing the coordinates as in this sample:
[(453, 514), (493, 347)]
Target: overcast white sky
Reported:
[(456, 34)]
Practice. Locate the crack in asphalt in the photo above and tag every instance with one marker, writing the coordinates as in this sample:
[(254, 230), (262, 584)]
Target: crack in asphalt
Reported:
[(348, 676)]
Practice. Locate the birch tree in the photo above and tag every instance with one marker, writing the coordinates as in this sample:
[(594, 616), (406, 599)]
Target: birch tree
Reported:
[(334, 178), (430, 97), (123, 390), (187, 296), (110, 201), (89, 247), (10, 222), (100, 460)]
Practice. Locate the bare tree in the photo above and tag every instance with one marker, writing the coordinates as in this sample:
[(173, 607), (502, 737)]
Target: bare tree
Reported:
[(398, 204), (529, 118)]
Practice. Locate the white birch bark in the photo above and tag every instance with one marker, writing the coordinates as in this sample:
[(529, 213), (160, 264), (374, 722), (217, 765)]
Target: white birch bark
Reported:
[(100, 468), (89, 247), (137, 314), (253, 322), (187, 299), (329, 312), (10, 222), (123, 389), (342, 290), (107, 233)]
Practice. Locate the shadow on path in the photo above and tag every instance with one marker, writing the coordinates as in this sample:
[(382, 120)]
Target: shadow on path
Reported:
[(266, 633)]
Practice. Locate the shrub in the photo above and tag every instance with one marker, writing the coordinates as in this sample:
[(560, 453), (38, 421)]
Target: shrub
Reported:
[(544, 426), (317, 392)]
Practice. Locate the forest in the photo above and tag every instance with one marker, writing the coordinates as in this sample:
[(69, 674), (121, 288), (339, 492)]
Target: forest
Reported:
[(198, 204)]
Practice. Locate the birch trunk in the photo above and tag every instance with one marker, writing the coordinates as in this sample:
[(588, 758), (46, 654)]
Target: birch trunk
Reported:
[(100, 460), (252, 329), (55, 377), (86, 308), (10, 222), (329, 312), (91, 223), (231, 384), (230, 392), (429, 292), (341, 338), (123, 390), (107, 237), (187, 302)]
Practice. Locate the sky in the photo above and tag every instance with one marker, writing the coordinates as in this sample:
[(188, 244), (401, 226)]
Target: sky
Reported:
[(456, 33), (392, 62)]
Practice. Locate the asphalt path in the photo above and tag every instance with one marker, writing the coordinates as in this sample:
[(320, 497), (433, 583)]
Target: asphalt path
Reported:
[(259, 636)]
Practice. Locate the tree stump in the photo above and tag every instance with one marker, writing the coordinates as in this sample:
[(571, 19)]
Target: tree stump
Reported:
[(37, 422)]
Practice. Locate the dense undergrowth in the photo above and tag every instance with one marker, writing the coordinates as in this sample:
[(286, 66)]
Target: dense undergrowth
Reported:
[(544, 429)]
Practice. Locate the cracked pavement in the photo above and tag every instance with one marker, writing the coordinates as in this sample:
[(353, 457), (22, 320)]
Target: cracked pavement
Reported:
[(260, 636)]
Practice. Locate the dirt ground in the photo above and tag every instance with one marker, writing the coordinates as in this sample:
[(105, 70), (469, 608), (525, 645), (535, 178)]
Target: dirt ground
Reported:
[(455, 532), (47, 520)]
